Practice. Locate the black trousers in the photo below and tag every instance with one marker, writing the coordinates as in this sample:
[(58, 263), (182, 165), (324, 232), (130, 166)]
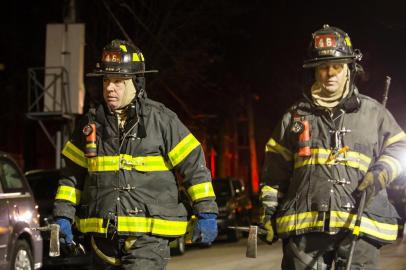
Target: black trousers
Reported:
[(319, 251), (147, 252)]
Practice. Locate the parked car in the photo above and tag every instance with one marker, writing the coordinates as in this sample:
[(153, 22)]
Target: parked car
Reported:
[(234, 206), (44, 184), (20, 243)]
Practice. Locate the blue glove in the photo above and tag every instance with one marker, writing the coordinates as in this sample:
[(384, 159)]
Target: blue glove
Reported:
[(205, 229), (66, 229)]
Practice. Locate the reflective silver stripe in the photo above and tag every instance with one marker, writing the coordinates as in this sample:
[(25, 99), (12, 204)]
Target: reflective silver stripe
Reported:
[(398, 137), (393, 163), (338, 219)]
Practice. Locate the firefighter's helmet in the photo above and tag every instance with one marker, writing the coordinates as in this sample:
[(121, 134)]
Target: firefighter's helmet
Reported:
[(121, 58), (331, 44)]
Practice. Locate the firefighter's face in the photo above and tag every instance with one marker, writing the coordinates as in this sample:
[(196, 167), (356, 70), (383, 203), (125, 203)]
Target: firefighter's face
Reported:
[(113, 91), (331, 76)]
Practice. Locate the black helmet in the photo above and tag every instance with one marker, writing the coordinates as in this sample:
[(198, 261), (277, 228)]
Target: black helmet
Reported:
[(331, 44), (120, 58)]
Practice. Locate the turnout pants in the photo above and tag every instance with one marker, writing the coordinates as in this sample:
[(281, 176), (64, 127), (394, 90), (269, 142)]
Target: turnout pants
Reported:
[(319, 251), (131, 253)]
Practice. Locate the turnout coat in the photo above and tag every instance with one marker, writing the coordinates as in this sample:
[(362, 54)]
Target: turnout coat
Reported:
[(316, 192), (130, 185)]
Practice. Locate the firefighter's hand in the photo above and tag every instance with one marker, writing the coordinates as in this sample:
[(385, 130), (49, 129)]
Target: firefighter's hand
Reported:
[(65, 228), (373, 182), (266, 232), (205, 230)]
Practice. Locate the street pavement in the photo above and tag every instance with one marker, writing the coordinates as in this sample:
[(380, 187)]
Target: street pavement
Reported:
[(230, 256)]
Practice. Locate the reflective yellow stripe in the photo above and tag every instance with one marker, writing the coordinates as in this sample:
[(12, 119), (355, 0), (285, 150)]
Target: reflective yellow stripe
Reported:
[(87, 225), (338, 219), (396, 138), (273, 146), (298, 221), (202, 190), (127, 162), (393, 163), (135, 57), (104, 163), (319, 156), (75, 154), (266, 190), (152, 225), (134, 224), (183, 149), (91, 145), (68, 193), (369, 226), (269, 196)]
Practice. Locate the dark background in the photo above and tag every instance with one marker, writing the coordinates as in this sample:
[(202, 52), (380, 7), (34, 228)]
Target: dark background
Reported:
[(213, 56)]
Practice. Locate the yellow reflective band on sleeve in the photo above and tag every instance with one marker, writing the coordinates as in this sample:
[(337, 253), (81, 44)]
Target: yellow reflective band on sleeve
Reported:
[(269, 196), (75, 154), (151, 225), (393, 163), (123, 48), (200, 191), (183, 149), (68, 193), (320, 156), (127, 162), (267, 190), (398, 137), (87, 225), (273, 146)]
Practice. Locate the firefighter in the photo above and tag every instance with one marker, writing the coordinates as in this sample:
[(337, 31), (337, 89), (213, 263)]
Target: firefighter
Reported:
[(119, 182), (329, 147)]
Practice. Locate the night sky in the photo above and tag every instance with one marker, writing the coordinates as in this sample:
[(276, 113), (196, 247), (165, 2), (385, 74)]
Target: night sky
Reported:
[(212, 55)]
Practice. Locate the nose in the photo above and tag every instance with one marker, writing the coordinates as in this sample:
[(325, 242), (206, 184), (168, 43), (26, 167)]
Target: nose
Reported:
[(110, 86), (332, 71)]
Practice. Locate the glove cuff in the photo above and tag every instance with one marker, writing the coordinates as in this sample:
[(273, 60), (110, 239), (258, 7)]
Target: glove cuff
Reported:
[(207, 216)]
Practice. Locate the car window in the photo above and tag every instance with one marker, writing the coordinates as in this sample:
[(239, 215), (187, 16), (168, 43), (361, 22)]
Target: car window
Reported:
[(10, 176), (43, 184), (238, 188), (221, 188)]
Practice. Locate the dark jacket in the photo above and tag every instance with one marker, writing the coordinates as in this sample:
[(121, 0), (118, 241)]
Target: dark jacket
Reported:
[(131, 183), (316, 192)]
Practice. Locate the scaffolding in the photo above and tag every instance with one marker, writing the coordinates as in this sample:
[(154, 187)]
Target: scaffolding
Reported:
[(49, 102)]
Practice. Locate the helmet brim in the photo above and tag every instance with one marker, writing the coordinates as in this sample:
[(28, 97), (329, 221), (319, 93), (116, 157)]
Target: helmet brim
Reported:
[(318, 61), (99, 73)]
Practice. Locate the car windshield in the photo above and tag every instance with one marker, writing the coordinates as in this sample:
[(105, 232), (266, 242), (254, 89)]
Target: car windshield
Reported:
[(43, 184), (221, 188)]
